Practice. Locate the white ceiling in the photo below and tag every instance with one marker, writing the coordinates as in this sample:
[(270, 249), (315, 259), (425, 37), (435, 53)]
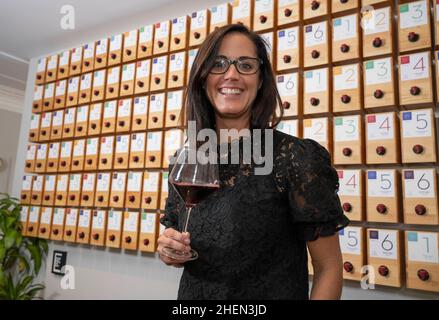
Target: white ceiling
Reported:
[(30, 28)]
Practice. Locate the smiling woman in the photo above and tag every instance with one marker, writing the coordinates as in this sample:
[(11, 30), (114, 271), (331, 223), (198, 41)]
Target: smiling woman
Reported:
[(252, 233), (220, 87)]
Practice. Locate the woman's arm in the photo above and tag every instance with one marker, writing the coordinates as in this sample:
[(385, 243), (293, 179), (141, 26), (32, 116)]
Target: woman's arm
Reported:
[(328, 268)]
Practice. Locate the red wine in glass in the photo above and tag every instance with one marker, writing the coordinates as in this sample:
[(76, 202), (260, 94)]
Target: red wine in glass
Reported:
[(194, 193)]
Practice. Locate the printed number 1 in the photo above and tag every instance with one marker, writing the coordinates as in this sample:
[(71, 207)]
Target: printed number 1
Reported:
[(428, 244)]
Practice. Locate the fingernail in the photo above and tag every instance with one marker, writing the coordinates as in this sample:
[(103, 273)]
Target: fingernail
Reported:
[(187, 241)]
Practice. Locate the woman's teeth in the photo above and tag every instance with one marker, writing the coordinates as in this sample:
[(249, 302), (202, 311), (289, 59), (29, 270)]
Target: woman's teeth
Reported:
[(230, 91)]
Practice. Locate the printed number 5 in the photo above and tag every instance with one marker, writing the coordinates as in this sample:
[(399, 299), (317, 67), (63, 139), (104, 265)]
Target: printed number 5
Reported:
[(419, 119), (353, 240)]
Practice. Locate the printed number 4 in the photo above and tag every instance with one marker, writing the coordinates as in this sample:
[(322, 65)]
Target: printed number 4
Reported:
[(419, 65)]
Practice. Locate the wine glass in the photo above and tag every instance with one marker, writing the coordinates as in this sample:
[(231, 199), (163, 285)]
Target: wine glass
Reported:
[(193, 181)]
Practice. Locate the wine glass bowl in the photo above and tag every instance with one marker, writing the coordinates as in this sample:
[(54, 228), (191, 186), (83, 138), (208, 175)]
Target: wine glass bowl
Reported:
[(193, 181)]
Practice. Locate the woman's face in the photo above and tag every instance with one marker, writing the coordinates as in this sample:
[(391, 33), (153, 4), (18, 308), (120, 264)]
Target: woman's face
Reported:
[(232, 93)]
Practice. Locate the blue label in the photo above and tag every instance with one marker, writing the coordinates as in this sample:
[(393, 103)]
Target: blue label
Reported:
[(119, 138), (371, 175), (282, 34), (308, 29), (410, 174), (407, 116), (308, 74), (174, 21), (337, 22), (194, 15), (155, 60), (99, 176), (341, 232), (153, 98), (280, 79), (173, 57), (134, 137), (86, 46), (412, 236), (136, 100), (213, 9), (373, 234)]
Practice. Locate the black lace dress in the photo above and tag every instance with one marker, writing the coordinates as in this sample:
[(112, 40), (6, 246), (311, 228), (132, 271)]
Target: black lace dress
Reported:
[(251, 234)]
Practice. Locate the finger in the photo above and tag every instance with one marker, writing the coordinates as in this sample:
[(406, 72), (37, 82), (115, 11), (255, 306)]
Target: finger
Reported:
[(178, 236), (170, 261), (173, 244)]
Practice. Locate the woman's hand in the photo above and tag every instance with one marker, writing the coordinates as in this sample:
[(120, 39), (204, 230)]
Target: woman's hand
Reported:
[(173, 239)]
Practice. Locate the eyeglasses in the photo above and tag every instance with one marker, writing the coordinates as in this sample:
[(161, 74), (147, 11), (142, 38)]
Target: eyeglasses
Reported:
[(244, 65)]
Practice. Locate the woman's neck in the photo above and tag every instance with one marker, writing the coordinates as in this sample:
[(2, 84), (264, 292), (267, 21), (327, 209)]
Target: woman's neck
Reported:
[(232, 123)]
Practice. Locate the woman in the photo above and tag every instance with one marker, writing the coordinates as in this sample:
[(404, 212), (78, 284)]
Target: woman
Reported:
[(251, 235)]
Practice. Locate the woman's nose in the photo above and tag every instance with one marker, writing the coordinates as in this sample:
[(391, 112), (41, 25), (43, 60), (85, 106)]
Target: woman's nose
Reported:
[(232, 72)]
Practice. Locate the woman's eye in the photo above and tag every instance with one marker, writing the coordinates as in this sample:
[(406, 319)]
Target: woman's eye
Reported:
[(246, 66), (219, 64)]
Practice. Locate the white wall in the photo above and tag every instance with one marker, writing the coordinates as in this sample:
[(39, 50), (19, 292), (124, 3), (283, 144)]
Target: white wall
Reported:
[(9, 131), (103, 273)]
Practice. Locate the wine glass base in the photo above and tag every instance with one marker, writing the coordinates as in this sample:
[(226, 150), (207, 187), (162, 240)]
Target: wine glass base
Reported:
[(179, 255)]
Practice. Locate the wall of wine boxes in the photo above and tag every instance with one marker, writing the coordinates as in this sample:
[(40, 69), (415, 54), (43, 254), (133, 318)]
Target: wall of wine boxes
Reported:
[(362, 82)]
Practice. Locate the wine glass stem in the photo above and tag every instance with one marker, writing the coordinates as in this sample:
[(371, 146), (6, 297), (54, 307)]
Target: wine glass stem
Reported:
[(187, 218)]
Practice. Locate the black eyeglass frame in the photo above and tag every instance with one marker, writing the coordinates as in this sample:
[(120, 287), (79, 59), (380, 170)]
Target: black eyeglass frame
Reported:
[(235, 62)]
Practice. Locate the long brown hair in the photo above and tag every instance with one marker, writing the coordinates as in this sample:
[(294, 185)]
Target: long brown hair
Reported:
[(198, 106)]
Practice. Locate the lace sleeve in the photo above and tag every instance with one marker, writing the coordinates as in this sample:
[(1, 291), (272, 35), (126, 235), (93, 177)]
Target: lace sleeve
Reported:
[(312, 192)]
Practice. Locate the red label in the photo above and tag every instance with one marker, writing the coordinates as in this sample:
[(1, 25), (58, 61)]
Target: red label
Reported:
[(405, 59), (340, 174), (371, 119)]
